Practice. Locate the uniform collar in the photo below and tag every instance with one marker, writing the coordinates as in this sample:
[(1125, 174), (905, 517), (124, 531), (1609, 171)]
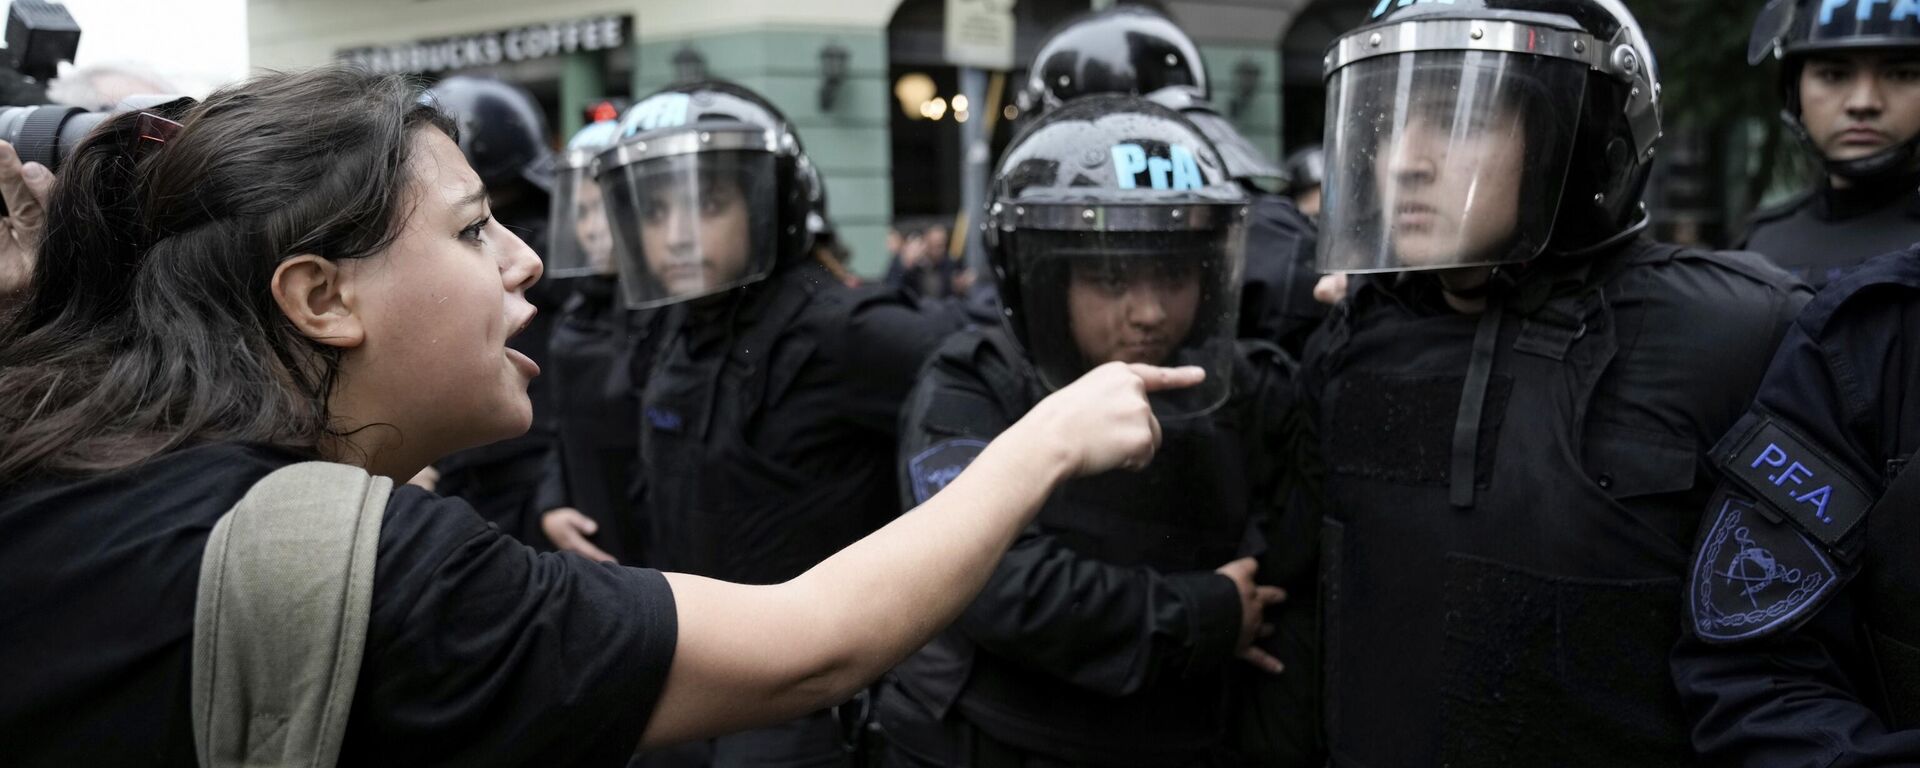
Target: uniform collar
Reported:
[(1865, 197)]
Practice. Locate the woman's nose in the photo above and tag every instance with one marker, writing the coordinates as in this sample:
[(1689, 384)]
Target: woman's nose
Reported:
[(521, 267)]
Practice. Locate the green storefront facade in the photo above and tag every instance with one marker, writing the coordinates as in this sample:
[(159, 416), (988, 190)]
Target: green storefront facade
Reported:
[(831, 65)]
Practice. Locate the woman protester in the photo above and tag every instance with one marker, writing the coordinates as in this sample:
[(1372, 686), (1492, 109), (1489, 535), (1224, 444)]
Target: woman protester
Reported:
[(303, 267)]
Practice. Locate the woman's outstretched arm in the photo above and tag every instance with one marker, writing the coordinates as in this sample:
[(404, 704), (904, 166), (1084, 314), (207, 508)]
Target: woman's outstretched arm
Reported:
[(751, 655)]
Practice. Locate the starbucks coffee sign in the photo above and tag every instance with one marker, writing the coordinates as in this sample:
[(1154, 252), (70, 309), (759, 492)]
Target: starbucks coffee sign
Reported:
[(534, 41)]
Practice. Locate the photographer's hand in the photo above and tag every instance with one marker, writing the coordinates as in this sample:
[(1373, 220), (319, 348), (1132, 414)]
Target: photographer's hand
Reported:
[(24, 188)]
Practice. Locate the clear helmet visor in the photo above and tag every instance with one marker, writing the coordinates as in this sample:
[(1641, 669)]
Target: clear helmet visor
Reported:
[(1445, 159), (1158, 297), (690, 224), (579, 234)]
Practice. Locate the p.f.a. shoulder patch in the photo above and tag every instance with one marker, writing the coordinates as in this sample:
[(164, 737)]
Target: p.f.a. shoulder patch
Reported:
[(933, 468), (1795, 478), (1753, 576)]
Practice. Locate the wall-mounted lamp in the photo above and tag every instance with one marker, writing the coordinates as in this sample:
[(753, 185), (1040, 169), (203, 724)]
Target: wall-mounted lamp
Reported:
[(688, 65), (1246, 80), (914, 90), (833, 73)]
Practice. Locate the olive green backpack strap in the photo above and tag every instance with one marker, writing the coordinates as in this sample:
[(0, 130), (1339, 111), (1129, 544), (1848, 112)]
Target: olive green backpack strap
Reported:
[(286, 586)]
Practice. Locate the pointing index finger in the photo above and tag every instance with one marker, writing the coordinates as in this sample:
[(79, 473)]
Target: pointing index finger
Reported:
[(1158, 379)]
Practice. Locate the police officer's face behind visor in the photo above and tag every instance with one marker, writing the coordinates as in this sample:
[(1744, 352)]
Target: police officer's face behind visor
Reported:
[(1132, 310), (1451, 193), (1855, 105), (590, 226), (699, 240)]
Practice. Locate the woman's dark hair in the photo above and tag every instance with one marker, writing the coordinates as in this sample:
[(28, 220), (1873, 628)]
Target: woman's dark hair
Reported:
[(150, 322)]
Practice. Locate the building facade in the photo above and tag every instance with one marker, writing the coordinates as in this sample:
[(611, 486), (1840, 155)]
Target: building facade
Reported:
[(852, 75)]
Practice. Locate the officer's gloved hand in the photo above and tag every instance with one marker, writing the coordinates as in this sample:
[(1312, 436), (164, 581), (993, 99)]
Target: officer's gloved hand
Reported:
[(1254, 599), (1103, 421), (568, 529), (25, 190)]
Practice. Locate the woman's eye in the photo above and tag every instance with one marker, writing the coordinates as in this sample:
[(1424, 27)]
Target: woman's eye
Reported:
[(474, 230)]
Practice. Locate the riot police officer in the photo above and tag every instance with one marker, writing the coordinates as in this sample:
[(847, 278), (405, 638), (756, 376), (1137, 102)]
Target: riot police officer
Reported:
[(1107, 632), (1850, 85), (584, 496), (1136, 50), (769, 411), (1804, 646), (1512, 407), (503, 134)]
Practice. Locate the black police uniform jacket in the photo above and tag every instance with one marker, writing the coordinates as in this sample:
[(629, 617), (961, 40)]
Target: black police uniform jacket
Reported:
[(769, 421), (1805, 593), (1104, 637), (596, 406), (1511, 499), (1276, 296), (1827, 232)]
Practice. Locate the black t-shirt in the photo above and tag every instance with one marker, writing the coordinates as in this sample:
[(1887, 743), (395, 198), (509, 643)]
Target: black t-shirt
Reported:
[(479, 651)]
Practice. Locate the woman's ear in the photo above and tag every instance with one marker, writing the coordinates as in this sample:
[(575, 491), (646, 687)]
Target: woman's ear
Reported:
[(313, 293)]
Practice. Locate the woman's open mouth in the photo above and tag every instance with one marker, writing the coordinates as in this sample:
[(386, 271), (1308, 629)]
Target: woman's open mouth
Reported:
[(525, 364)]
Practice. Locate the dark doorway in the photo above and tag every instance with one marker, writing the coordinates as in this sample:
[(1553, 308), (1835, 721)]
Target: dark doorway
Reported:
[(1303, 90), (926, 144)]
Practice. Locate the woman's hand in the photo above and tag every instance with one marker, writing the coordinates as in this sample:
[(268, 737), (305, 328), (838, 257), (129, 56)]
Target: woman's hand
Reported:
[(1103, 421)]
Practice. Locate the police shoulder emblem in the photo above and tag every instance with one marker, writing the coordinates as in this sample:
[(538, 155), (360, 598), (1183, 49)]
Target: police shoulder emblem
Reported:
[(1753, 577), (934, 467), (1796, 479)]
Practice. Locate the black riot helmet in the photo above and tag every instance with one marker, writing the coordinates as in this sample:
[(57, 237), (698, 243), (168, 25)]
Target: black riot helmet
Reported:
[(707, 190), (1115, 233), (1131, 50), (1124, 49), (1791, 30), (1306, 169), (503, 132), (1244, 161), (1486, 132), (579, 240)]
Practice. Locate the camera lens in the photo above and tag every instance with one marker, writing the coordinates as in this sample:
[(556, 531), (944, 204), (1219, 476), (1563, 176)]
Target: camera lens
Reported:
[(45, 134)]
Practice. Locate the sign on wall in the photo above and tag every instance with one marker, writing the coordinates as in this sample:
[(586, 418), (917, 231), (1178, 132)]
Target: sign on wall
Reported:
[(980, 33), (534, 41)]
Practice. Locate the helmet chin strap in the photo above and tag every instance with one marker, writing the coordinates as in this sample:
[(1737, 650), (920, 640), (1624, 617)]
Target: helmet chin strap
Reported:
[(1893, 160), (1506, 275), (1626, 233), (1478, 290)]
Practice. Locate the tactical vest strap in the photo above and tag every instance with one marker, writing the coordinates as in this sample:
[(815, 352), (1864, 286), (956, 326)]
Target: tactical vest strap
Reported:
[(1473, 402)]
